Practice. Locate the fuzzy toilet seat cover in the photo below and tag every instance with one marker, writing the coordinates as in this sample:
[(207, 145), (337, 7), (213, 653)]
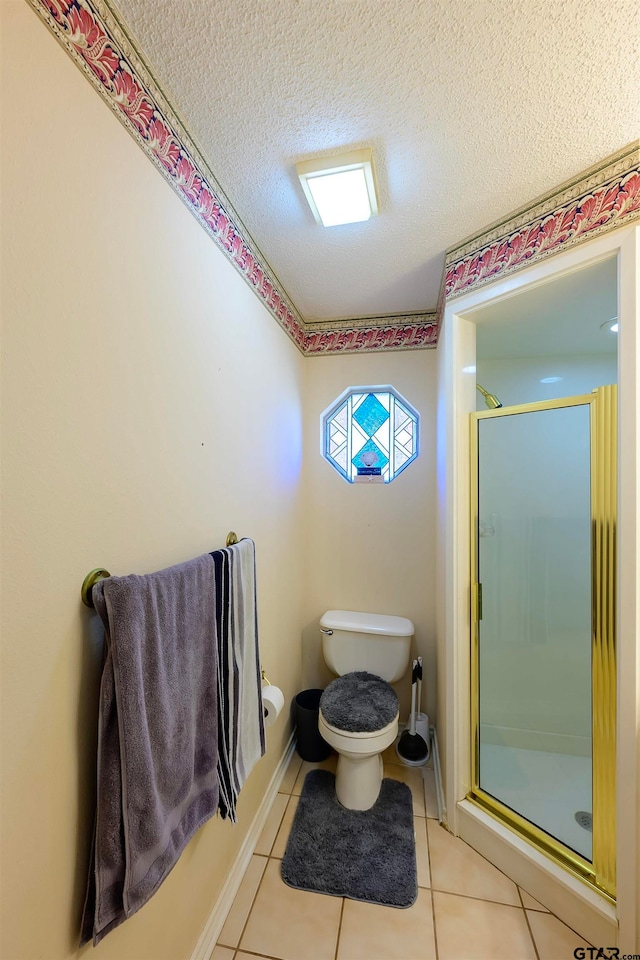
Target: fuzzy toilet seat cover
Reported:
[(359, 702)]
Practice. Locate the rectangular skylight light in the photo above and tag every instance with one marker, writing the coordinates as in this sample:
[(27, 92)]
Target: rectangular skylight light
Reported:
[(340, 189)]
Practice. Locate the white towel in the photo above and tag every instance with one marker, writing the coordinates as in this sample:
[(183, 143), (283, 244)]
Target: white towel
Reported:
[(241, 739)]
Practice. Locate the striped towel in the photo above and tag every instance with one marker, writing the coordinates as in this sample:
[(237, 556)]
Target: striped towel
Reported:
[(241, 740)]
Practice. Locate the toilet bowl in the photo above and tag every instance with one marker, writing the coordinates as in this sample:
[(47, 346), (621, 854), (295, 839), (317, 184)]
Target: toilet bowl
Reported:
[(359, 710), (360, 767)]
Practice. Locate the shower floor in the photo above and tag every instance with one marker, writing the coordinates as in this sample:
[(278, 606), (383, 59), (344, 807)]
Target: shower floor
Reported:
[(546, 788)]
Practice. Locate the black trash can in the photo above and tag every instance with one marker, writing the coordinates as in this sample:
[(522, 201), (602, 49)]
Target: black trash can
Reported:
[(310, 744)]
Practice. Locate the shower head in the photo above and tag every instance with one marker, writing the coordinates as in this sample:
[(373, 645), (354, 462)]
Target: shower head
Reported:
[(490, 399)]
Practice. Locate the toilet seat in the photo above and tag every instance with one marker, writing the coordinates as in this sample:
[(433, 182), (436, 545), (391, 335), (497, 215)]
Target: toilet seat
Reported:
[(363, 742)]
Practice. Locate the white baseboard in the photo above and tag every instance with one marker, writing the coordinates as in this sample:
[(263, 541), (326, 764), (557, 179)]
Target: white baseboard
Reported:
[(218, 915)]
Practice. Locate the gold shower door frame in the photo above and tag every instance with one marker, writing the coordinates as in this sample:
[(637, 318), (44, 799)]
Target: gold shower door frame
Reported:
[(601, 871)]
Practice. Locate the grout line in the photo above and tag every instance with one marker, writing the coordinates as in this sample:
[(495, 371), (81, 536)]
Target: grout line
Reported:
[(250, 953), (429, 864), (433, 920), (277, 830), (294, 757), (238, 948), (468, 896), (255, 897), (426, 842), (512, 881), (548, 913), (339, 929), (473, 849), (533, 939), (433, 906)]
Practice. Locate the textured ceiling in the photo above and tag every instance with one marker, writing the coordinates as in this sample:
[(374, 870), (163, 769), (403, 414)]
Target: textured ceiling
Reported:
[(563, 317), (472, 108)]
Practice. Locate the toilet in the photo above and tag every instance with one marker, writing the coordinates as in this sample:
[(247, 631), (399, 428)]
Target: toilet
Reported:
[(359, 711)]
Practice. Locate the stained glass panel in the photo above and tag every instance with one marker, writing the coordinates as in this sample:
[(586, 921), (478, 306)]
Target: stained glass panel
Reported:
[(400, 458), (371, 414), (341, 417), (370, 455), (401, 416), (341, 458), (370, 433)]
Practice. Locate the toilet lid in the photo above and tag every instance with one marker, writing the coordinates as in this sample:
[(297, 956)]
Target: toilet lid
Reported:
[(359, 702)]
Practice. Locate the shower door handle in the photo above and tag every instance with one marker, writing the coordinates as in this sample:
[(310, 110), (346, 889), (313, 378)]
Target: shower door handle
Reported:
[(477, 602)]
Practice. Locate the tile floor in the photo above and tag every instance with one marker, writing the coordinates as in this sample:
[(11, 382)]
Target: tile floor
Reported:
[(466, 908)]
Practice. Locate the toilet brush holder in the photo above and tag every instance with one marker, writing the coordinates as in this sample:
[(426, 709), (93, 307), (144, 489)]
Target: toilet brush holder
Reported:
[(422, 729)]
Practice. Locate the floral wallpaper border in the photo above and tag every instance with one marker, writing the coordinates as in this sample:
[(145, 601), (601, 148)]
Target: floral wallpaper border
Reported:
[(598, 200)]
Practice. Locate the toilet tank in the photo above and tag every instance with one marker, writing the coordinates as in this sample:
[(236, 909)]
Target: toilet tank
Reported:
[(366, 641)]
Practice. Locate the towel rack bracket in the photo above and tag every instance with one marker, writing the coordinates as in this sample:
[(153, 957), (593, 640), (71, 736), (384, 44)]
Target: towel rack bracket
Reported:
[(89, 583), (231, 538)]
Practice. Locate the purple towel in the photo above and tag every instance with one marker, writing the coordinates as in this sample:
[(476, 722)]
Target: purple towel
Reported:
[(157, 734)]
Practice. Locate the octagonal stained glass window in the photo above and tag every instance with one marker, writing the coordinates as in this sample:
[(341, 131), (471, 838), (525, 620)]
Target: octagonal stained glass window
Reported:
[(370, 434)]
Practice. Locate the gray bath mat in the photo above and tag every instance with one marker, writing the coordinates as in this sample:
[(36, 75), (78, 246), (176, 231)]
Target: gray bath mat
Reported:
[(365, 855)]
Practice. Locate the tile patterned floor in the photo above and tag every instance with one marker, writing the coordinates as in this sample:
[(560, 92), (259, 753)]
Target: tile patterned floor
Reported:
[(466, 908)]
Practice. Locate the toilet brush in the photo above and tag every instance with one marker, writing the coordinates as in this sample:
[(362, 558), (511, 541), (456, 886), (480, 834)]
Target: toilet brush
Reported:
[(411, 746), (422, 720)]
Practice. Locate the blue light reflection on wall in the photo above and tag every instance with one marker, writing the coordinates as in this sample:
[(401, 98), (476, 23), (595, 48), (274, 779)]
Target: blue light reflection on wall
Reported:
[(287, 446)]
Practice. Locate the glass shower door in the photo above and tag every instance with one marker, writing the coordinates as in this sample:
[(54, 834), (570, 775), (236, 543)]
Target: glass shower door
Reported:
[(536, 571)]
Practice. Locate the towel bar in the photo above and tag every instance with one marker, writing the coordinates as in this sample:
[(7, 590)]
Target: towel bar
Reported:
[(100, 573)]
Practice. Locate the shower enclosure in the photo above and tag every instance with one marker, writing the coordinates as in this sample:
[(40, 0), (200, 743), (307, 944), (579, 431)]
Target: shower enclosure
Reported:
[(543, 626)]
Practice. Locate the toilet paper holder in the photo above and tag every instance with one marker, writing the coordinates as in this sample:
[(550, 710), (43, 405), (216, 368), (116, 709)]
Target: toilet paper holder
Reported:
[(272, 703)]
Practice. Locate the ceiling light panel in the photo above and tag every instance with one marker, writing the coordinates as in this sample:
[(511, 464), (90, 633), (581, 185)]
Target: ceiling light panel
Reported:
[(340, 189)]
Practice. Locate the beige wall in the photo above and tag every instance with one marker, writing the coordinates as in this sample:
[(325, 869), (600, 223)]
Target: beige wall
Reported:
[(150, 405), (371, 547)]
